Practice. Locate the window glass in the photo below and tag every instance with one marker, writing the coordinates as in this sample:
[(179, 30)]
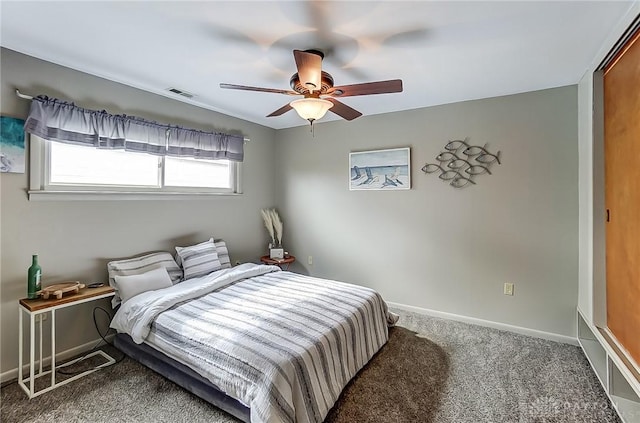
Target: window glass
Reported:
[(188, 172), (78, 165)]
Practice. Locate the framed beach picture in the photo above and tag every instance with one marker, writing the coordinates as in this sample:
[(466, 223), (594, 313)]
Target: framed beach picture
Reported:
[(380, 169), (11, 145)]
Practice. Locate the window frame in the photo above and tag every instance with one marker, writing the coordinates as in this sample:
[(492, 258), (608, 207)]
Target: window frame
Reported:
[(40, 187)]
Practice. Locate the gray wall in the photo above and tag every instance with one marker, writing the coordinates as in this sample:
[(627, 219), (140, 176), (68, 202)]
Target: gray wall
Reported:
[(434, 246), (75, 239)]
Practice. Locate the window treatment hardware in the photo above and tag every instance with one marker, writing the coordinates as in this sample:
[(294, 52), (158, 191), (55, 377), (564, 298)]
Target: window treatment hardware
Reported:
[(24, 96), (61, 121)]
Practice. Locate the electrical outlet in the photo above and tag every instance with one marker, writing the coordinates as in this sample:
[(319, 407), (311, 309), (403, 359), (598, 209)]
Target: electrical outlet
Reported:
[(508, 289), (310, 260), (41, 317)]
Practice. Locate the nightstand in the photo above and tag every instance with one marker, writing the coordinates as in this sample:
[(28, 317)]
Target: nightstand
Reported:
[(35, 310), (279, 262)]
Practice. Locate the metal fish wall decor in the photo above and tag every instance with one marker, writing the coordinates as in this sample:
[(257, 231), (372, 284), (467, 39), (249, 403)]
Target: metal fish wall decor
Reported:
[(460, 163)]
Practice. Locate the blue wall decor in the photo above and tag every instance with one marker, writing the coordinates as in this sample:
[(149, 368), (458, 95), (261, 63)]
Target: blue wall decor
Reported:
[(11, 145)]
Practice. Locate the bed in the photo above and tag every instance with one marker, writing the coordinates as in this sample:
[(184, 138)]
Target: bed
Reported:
[(263, 344)]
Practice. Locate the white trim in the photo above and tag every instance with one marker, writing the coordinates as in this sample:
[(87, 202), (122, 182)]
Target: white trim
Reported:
[(628, 410), (40, 195), (614, 357), (12, 374), (488, 323), (36, 163)]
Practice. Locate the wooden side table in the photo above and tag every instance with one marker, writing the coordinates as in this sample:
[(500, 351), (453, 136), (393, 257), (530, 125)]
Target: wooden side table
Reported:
[(279, 262), (35, 310)]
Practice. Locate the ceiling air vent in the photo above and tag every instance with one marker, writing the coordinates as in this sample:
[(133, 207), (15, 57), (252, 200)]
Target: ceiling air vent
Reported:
[(180, 92)]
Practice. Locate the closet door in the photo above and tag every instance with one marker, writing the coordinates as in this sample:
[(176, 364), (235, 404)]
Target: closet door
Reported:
[(622, 195)]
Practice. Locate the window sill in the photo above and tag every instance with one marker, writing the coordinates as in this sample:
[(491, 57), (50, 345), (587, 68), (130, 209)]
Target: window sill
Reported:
[(39, 195)]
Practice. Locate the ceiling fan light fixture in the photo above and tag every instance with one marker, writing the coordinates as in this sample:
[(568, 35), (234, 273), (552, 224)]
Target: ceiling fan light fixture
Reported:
[(311, 109)]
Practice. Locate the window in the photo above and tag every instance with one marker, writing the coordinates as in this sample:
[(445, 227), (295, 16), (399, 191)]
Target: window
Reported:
[(67, 168), (71, 165)]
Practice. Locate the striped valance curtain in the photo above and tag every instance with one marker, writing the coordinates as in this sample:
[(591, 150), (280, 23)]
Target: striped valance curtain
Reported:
[(61, 121)]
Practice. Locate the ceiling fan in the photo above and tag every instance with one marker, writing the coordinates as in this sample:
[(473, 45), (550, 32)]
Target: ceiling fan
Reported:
[(317, 88)]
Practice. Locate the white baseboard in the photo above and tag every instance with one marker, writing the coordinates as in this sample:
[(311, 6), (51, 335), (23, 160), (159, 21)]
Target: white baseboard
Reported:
[(488, 323), (63, 355)]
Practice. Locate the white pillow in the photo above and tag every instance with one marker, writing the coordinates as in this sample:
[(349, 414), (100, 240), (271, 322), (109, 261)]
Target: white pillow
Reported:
[(139, 265), (132, 285), (198, 260)]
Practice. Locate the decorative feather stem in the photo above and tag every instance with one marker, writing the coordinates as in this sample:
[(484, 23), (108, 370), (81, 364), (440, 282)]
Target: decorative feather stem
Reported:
[(277, 225), (268, 223)]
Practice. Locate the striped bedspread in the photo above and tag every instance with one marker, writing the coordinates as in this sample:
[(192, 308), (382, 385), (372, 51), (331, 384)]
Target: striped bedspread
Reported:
[(283, 344)]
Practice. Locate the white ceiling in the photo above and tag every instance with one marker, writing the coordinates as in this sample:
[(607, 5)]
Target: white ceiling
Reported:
[(443, 51)]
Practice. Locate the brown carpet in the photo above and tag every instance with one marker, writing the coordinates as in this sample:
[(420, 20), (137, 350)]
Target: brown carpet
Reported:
[(402, 383)]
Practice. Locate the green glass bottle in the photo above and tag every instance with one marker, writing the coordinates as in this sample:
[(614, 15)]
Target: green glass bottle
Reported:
[(33, 282)]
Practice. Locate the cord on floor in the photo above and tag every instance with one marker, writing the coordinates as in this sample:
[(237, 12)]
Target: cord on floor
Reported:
[(95, 347)]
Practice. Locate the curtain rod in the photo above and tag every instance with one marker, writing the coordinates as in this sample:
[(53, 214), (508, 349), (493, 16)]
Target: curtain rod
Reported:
[(29, 97), (26, 97)]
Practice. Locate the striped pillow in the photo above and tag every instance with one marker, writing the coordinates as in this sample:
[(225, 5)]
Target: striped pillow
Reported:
[(221, 249), (140, 265), (199, 260), (223, 253)]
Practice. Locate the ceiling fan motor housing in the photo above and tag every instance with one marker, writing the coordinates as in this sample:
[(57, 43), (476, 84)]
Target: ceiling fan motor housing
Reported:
[(326, 84)]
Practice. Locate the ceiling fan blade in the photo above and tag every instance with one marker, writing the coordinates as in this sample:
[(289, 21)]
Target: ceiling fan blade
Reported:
[(264, 90), (367, 88), (343, 110), (309, 66), (282, 110)]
